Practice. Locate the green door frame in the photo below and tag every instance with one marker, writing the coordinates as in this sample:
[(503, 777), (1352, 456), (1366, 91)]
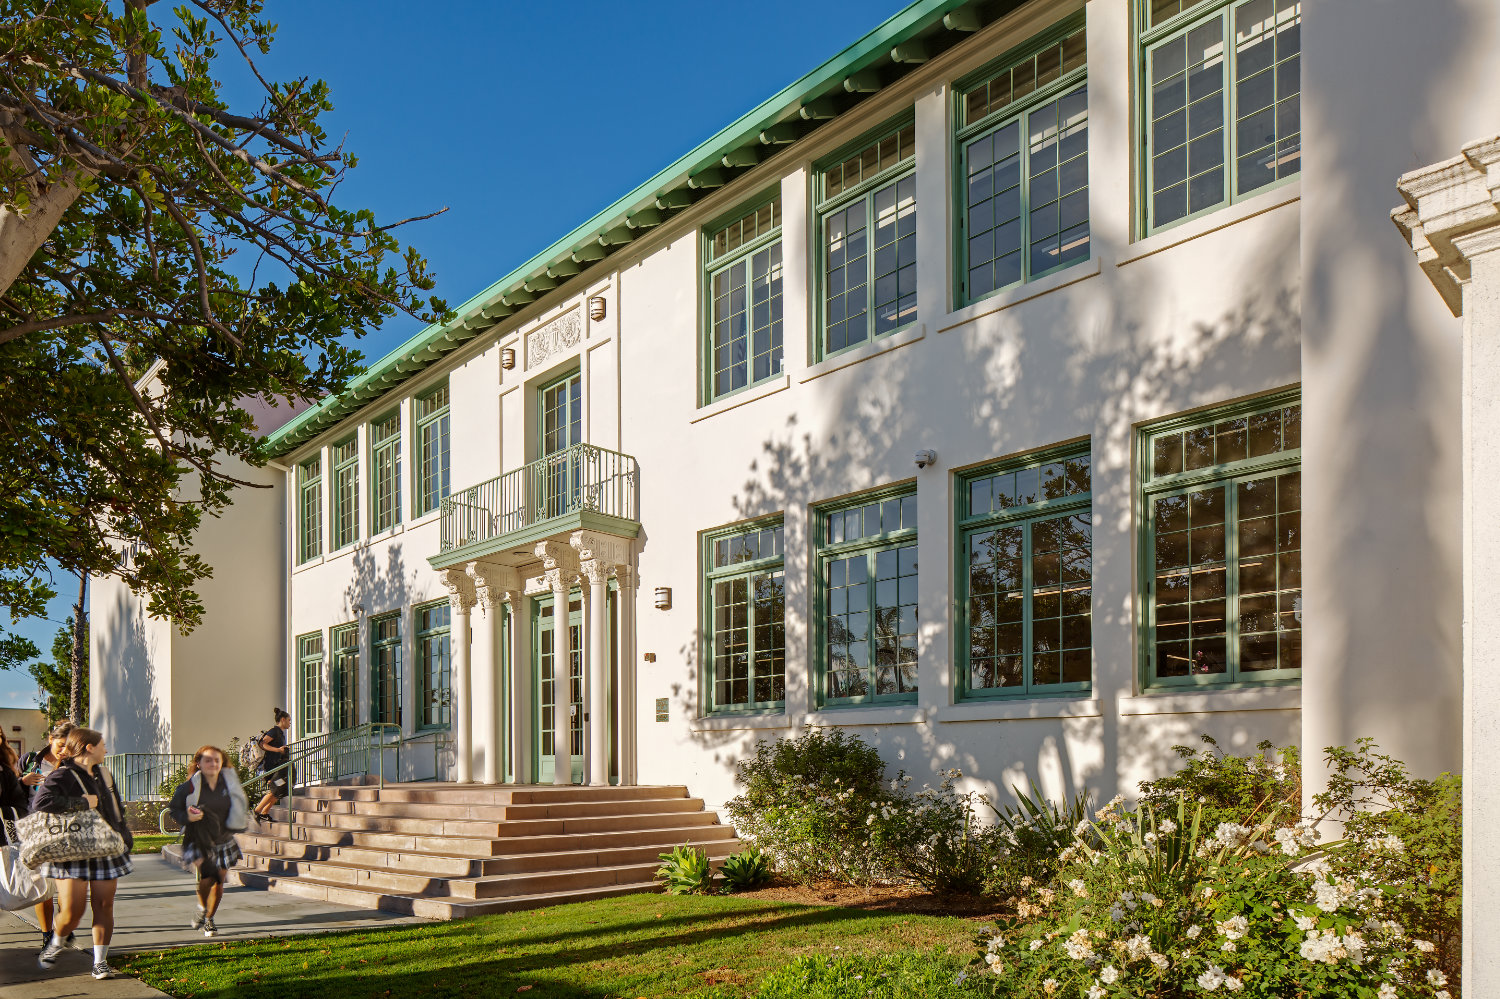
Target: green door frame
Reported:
[(544, 767)]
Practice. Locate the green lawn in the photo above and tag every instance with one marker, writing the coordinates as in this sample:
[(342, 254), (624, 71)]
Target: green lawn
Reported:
[(640, 945), (152, 842)]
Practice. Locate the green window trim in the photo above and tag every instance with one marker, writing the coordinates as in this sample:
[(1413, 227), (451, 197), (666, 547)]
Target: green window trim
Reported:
[(310, 683), (385, 668), (866, 596), (744, 618), (310, 509), (431, 440), (344, 681), (385, 472), (343, 496), (432, 622), (1021, 165), (1220, 107), (1023, 567), (866, 250), (1220, 512), (743, 301)]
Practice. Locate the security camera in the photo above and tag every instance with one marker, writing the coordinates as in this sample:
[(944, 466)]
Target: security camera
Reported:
[(925, 458)]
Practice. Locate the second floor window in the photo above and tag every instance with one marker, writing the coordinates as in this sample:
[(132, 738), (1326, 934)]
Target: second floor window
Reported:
[(310, 509), (1023, 148), (1223, 101), (385, 473), (744, 288), (431, 414), (344, 458), (868, 205)]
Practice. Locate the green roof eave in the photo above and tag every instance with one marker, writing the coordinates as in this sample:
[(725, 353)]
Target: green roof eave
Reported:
[(385, 373)]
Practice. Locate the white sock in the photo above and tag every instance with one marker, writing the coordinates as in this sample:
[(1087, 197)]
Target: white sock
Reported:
[(101, 951)]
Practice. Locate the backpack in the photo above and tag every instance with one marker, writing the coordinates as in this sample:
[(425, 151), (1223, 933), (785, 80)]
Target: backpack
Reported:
[(253, 754)]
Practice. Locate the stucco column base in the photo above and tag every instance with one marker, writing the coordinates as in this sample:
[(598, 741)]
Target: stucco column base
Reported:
[(1452, 221)]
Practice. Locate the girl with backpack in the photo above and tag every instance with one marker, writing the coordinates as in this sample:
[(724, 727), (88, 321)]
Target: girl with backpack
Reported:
[(272, 743), (210, 806), (78, 784)]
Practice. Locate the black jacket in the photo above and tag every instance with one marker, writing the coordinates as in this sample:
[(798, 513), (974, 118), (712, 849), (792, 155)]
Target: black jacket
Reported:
[(60, 793), (13, 798)]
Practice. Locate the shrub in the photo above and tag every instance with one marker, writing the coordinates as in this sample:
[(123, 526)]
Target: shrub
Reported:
[(249, 779), (746, 870), (686, 871), (1231, 788), (1031, 835), (881, 976), (933, 838)]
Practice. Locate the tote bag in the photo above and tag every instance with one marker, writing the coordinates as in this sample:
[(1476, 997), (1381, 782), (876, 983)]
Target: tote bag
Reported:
[(56, 838), (20, 886)]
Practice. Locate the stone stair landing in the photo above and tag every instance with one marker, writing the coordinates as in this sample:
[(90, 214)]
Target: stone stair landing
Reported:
[(447, 851)]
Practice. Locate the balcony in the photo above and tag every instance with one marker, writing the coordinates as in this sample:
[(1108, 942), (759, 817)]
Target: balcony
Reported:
[(582, 487)]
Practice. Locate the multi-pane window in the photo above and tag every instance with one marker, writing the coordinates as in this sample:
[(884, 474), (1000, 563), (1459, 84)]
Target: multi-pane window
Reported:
[(1026, 540), (868, 206), (746, 604), (310, 509), (867, 564), (1223, 101), (385, 473), (434, 681), (1223, 505), (1023, 148), (344, 458), (310, 683), (385, 668), (344, 678), (431, 415), (744, 282)]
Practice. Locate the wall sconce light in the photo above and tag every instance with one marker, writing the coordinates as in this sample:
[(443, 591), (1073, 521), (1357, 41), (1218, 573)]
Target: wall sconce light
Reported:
[(507, 357), (925, 458), (663, 598), (650, 657), (596, 308)]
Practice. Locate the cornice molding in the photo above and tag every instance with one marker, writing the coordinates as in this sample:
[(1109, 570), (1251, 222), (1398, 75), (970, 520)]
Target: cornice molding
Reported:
[(1451, 209)]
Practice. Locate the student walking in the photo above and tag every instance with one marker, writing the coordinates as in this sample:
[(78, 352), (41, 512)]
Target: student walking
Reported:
[(278, 785), (13, 797), (211, 807), (34, 769), (78, 784)]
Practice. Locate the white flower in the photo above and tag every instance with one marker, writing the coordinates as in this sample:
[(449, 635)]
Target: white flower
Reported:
[(1160, 962), (1387, 991), (1149, 839), (1324, 948), (1211, 979), (1078, 946), (1425, 946), (1328, 897), (1318, 867), (1095, 992), (1049, 986), (1228, 947), (1193, 931), (1437, 978), (1441, 994), (1232, 984), (1233, 927), (1167, 827), (1082, 827), (1079, 888), (1137, 948), (1391, 844), (1036, 944), (1305, 922), (1109, 974)]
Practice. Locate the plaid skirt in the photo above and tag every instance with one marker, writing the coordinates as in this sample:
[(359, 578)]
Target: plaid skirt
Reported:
[(225, 855), (97, 869)]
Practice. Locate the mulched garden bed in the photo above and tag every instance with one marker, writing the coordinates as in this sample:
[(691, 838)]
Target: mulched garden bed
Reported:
[(882, 898)]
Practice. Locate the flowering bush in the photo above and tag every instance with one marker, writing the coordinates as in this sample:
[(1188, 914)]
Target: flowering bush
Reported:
[(1167, 907), (1231, 788), (933, 837), (880, 976), (1031, 834)]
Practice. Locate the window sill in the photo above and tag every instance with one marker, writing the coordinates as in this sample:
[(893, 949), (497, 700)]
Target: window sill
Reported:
[(1021, 293), (906, 714), (316, 560), (1227, 216), (385, 535), (900, 338), (1286, 697), (425, 518), (742, 397), (737, 723), (1009, 710)]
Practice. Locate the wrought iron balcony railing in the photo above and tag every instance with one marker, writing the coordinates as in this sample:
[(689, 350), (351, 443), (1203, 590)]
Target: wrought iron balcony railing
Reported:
[(580, 479)]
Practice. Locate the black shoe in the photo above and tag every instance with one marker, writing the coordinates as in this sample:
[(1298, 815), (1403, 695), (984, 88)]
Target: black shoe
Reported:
[(46, 938)]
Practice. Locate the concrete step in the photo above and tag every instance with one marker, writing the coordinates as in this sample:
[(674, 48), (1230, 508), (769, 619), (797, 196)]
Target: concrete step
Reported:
[(320, 838), (492, 812), (481, 828), (489, 794)]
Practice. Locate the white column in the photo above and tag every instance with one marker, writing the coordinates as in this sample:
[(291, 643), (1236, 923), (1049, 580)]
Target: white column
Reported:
[(625, 732), (492, 584), (521, 694), (461, 602), (1452, 220), (596, 691), (562, 681)]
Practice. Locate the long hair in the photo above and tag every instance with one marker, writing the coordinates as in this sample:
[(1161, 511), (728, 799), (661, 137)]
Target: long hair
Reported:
[(223, 759), (8, 755), (79, 740)]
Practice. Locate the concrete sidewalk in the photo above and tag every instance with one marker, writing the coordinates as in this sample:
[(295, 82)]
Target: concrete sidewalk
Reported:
[(152, 912)]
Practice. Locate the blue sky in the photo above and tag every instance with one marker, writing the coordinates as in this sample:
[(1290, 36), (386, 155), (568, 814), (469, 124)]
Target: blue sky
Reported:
[(522, 119)]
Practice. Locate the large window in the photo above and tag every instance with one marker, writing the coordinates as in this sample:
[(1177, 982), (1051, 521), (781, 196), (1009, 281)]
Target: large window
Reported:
[(385, 473), (746, 617), (385, 668), (345, 494), (1026, 541), (345, 676), (1223, 111), (867, 571), (1023, 151), (1223, 514), (434, 681), (744, 294), (310, 683), (310, 509), (430, 412), (868, 206)]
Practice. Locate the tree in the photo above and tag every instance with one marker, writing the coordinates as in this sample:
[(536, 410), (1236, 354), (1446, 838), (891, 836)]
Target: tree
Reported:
[(55, 678), (142, 221)]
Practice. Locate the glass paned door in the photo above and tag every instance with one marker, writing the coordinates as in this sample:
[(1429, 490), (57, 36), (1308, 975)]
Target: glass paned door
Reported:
[(546, 687), (561, 425), (345, 677)]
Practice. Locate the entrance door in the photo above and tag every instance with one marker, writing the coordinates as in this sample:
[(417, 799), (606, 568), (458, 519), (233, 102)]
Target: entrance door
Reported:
[(561, 425), (545, 675), (345, 677)]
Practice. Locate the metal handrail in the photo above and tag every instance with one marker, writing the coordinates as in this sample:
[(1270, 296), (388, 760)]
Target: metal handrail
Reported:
[(328, 752), (581, 478), (139, 776)]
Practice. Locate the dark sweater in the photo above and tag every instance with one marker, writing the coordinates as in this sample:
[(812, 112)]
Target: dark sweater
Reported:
[(213, 828), (13, 798), (61, 792)]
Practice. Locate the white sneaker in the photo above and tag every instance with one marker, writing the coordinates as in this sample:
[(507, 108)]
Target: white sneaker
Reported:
[(50, 953), (199, 919), (209, 929), (102, 970)]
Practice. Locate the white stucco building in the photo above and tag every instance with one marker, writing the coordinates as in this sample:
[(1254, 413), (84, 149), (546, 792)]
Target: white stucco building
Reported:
[(1019, 389)]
